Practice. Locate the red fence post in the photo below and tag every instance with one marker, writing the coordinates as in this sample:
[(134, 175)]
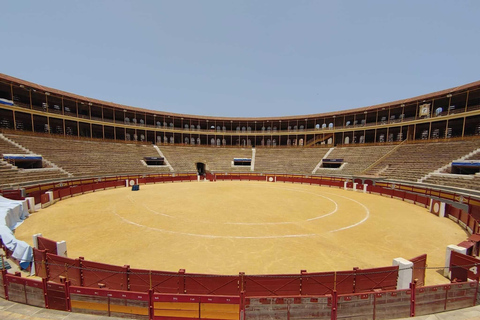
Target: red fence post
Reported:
[(45, 295), (5, 285), (476, 294), (151, 310), (181, 281), (355, 269), (67, 296), (334, 305), (127, 276), (413, 287), (242, 305), (82, 280), (241, 282)]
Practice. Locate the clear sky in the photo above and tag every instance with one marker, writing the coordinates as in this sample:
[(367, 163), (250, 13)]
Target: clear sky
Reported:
[(244, 57)]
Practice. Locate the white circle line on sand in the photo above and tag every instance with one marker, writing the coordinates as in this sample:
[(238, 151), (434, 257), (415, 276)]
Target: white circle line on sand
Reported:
[(292, 222), (248, 223), (358, 223), (213, 236), (261, 237)]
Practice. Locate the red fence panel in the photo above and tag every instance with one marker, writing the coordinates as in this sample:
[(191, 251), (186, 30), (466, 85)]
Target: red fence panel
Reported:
[(273, 285), (87, 187), (98, 186), (376, 189), (379, 278), (122, 304), (165, 282), (25, 291), (472, 224), (318, 283), (113, 277), (463, 267), (399, 194), (210, 284), (40, 258), (47, 244), (464, 217), (57, 297), (451, 210), (168, 307), (44, 198), (63, 193), (425, 201), (76, 190), (62, 267), (410, 196), (419, 268), (13, 194), (326, 282)]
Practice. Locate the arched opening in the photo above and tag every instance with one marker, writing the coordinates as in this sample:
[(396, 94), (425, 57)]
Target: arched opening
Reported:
[(200, 168)]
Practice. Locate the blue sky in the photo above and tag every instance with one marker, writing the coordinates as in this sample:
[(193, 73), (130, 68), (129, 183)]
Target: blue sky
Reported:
[(243, 58)]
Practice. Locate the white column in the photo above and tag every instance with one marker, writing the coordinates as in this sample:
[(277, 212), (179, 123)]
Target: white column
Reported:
[(405, 272), (62, 248), (31, 204), (365, 186), (450, 248), (50, 196), (35, 240)]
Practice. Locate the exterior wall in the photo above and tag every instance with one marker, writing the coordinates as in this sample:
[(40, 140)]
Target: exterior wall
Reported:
[(451, 113)]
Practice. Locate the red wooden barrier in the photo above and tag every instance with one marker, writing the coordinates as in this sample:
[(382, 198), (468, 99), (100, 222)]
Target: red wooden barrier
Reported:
[(63, 269), (57, 297), (40, 258), (271, 285), (166, 282), (87, 188), (425, 201), (327, 282), (96, 274), (76, 190), (44, 199), (211, 284), (379, 278), (47, 244), (419, 268), (26, 291), (63, 193), (463, 267)]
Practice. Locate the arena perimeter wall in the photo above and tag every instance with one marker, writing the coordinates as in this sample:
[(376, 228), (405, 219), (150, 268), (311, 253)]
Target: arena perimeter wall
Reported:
[(89, 287)]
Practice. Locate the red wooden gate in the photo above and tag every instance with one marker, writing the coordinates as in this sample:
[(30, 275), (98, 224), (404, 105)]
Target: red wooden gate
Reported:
[(419, 267)]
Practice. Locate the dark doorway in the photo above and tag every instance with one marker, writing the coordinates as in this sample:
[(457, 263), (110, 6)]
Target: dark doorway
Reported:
[(200, 168)]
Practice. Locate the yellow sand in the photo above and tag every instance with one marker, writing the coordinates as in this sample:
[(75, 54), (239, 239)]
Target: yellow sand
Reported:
[(253, 227)]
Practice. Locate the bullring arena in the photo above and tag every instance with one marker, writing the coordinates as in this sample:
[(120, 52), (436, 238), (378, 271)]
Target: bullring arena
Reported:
[(368, 213), (256, 227)]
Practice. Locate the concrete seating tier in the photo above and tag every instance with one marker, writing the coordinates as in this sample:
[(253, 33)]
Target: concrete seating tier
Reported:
[(216, 159), (91, 158), (12, 176), (8, 148), (455, 181), (356, 159), (413, 161), (288, 160)]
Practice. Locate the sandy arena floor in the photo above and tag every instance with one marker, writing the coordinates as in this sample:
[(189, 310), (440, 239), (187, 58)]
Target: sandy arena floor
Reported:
[(254, 227)]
